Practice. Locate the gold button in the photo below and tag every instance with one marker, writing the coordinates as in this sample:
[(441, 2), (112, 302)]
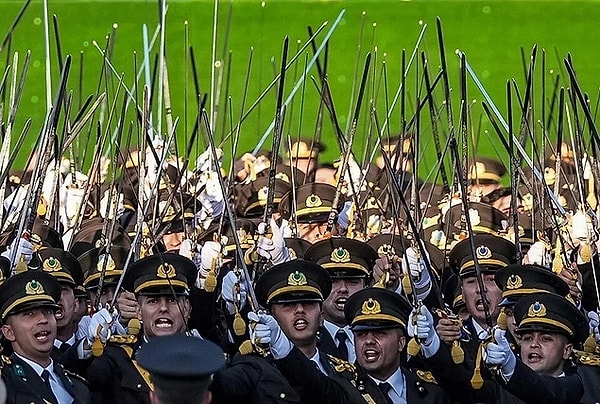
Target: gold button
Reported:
[(139, 386), (282, 395)]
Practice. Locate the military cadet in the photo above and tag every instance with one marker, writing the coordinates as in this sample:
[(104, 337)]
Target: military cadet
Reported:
[(304, 155), (349, 263), (550, 326), (161, 284), (519, 280), (181, 368), (459, 371), (69, 350), (485, 175), (27, 309), (306, 210), (379, 319)]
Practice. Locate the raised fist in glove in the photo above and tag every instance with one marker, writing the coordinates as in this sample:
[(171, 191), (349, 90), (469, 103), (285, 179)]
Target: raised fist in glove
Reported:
[(24, 249), (582, 226), (229, 291), (536, 254), (264, 329), (414, 264), (594, 322), (498, 353), (421, 326), (209, 255), (99, 326), (273, 248)]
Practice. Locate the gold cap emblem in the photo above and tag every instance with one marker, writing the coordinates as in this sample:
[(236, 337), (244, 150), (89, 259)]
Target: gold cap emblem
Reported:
[(483, 252), (313, 201), (340, 255), (514, 282), (51, 264), (33, 287), (283, 177), (165, 271), (371, 307), (263, 194), (105, 262), (537, 309), (297, 279)]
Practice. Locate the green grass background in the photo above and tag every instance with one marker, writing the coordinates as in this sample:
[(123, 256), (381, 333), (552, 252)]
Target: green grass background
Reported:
[(490, 32)]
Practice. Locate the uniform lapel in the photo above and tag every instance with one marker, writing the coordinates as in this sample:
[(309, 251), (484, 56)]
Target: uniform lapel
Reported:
[(32, 380)]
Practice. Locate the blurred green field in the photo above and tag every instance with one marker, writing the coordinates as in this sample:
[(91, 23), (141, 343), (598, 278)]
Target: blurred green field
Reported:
[(491, 33)]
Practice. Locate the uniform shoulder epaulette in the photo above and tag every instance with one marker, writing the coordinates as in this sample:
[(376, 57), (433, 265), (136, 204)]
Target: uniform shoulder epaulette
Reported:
[(426, 376), (341, 366), (123, 339), (72, 375), (5, 361), (585, 358)]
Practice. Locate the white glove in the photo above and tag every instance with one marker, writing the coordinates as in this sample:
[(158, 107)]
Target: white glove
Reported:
[(228, 288), (499, 354), (582, 226), (24, 249), (211, 199), (208, 254), (421, 325), (594, 322), (415, 265), (14, 205), (266, 330), (99, 326), (586, 164), (537, 253), (273, 248), (72, 199), (343, 218), (187, 250), (116, 205), (203, 162)]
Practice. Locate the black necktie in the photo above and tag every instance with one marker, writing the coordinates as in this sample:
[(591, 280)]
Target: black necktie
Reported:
[(46, 377), (341, 338), (385, 389), (64, 347)]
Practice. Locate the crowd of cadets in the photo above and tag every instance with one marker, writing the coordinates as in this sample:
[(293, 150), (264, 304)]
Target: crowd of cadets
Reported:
[(356, 310)]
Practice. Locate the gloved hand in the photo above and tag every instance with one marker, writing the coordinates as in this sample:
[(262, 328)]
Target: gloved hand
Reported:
[(99, 326), (211, 199), (498, 353), (415, 265), (594, 322), (116, 205), (537, 253), (582, 226), (421, 325), (24, 249), (344, 218), (204, 163), (209, 253), (266, 330), (273, 248), (228, 291)]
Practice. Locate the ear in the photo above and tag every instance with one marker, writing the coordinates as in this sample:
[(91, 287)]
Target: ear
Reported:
[(207, 397), (568, 350), (187, 308), (401, 342), (8, 333)]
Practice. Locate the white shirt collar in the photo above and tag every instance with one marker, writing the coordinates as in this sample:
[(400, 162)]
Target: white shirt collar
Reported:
[(396, 380), (71, 341), (481, 333), (316, 358)]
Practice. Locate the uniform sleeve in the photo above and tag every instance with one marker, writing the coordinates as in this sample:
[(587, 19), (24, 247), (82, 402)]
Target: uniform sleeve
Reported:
[(532, 387)]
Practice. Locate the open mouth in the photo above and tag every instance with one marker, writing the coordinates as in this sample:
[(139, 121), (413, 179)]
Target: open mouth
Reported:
[(163, 323), (534, 357), (340, 303), (59, 314), (300, 324), (371, 355), (42, 336)]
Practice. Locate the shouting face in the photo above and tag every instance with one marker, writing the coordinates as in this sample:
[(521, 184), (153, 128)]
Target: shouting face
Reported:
[(163, 315)]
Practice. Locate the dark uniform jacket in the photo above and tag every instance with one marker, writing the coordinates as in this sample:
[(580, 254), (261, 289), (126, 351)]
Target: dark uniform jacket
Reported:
[(326, 343), (24, 385), (588, 368), (350, 383), (252, 379), (69, 358), (115, 377)]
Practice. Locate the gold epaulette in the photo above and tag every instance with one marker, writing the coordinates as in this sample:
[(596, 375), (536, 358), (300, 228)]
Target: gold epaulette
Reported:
[(5, 361), (74, 375), (585, 358), (426, 376), (123, 339), (341, 366)]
